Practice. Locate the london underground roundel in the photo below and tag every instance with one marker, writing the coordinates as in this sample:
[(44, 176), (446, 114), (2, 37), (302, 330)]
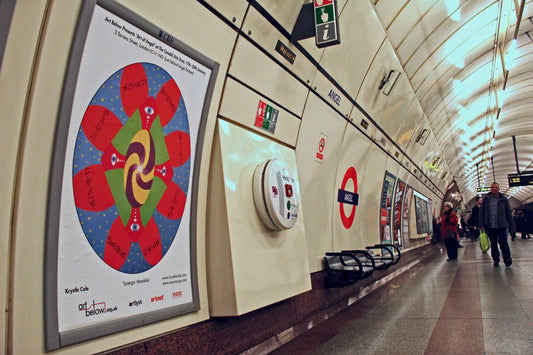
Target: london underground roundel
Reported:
[(131, 167), (348, 200)]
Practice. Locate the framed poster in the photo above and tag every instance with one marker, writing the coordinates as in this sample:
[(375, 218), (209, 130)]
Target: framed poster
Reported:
[(387, 192), (406, 212), (397, 212), (122, 203), (430, 216), (422, 215)]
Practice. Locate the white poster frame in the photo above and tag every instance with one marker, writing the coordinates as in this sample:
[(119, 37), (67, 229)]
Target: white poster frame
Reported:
[(195, 75)]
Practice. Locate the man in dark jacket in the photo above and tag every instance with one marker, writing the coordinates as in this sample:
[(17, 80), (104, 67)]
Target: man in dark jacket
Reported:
[(473, 221), (495, 218)]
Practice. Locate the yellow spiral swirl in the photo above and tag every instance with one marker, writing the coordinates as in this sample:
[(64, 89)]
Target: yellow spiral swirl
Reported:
[(139, 168)]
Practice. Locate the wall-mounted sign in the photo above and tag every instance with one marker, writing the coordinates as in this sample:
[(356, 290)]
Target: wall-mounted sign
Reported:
[(321, 148), (523, 179), (483, 189), (285, 52), (266, 117), (326, 23), (120, 238), (347, 197)]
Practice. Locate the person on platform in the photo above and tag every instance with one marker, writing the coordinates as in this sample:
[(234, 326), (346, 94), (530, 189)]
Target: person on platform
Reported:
[(473, 220), (495, 219), (448, 230), (522, 225), (436, 230)]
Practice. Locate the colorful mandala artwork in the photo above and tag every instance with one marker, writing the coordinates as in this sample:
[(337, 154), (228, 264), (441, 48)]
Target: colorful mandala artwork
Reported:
[(131, 167)]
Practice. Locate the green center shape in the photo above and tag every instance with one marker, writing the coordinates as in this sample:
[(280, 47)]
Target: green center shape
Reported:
[(115, 177)]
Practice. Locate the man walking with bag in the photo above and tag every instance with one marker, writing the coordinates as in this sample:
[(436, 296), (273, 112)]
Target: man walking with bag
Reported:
[(495, 219)]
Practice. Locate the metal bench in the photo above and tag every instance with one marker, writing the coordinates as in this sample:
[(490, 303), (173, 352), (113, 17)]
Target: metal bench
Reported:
[(343, 269), (366, 259), (385, 255)]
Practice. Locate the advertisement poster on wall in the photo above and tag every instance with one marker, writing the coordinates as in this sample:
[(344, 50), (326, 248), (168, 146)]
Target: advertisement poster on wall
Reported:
[(397, 213), (430, 216), (422, 215), (121, 248), (406, 208), (385, 207)]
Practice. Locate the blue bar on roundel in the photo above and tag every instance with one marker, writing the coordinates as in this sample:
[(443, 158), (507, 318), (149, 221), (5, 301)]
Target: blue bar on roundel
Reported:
[(348, 197)]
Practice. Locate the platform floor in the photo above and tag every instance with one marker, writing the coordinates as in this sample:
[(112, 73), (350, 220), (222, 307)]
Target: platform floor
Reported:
[(437, 307)]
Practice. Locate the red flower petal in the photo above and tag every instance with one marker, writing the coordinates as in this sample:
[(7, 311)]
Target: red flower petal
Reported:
[(100, 125), (178, 147), (167, 100), (133, 87), (112, 159), (172, 202), (117, 245), (150, 243), (91, 190), (134, 227), (148, 112), (164, 172)]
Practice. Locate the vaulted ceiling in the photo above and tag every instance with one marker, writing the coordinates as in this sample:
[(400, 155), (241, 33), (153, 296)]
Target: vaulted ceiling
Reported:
[(470, 63)]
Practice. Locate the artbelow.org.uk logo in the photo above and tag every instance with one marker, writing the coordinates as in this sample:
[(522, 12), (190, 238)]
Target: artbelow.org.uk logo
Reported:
[(95, 308)]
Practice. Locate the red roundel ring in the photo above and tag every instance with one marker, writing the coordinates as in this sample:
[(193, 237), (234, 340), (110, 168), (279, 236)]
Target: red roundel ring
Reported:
[(350, 174)]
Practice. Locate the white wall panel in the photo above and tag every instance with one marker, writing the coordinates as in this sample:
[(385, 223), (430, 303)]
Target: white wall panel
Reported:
[(362, 122), (412, 118), (332, 95), (371, 99), (349, 61), (432, 163), (421, 153), (370, 194), (233, 10), (256, 266), (240, 104), (388, 10), (407, 19), (354, 156), (396, 110), (267, 36), (418, 35), (258, 71), (317, 170)]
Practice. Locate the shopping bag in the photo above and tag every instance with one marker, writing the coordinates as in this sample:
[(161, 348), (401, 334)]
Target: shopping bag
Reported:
[(484, 243)]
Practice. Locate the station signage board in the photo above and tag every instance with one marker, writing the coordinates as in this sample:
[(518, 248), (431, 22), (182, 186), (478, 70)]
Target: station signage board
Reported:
[(523, 179), (326, 23)]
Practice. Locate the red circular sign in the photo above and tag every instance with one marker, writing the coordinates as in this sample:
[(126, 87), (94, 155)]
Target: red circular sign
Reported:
[(321, 145), (350, 174)]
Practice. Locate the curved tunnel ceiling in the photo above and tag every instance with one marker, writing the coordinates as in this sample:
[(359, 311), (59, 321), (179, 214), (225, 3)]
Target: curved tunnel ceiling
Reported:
[(471, 68)]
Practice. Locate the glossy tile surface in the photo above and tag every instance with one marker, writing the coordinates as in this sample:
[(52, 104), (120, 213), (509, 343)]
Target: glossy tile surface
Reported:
[(437, 307)]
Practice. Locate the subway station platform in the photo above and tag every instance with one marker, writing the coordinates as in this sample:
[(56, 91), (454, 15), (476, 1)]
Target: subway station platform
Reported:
[(466, 306)]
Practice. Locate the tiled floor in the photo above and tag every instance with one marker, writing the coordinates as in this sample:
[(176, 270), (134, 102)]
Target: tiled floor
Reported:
[(437, 307)]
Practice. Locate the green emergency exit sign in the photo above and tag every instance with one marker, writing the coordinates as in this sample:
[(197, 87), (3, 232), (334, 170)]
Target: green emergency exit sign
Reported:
[(326, 23)]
